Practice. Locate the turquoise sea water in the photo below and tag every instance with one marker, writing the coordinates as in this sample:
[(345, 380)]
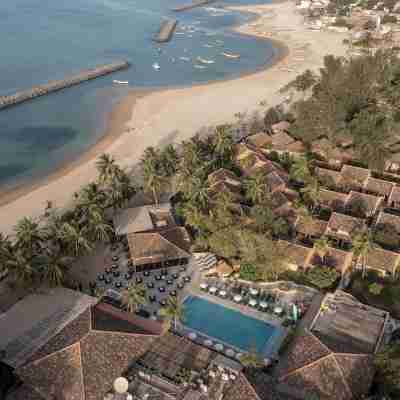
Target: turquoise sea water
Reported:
[(44, 40), (228, 326)]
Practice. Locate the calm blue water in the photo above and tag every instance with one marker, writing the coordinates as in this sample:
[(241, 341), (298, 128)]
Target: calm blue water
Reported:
[(226, 325), (46, 39)]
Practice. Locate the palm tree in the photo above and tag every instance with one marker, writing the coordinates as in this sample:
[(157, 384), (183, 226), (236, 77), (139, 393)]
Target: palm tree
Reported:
[(5, 249), (312, 192), (300, 170), (133, 296), (174, 311), (28, 235), (362, 245), (106, 167), (153, 181), (256, 188), (21, 268), (97, 228), (75, 238), (53, 267), (321, 248), (223, 144), (169, 160)]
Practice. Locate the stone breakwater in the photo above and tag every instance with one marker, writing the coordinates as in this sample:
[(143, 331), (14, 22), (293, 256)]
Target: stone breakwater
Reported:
[(54, 86), (166, 31), (194, 4)]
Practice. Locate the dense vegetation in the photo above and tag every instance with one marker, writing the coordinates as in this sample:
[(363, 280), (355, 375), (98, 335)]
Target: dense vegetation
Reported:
[(358, 98), (43, 249)]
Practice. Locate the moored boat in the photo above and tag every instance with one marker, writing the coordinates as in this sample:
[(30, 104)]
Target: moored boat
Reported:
[(230, 55)]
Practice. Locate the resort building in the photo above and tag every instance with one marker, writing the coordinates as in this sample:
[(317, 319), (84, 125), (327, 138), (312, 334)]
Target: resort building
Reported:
[(328, 177), (225, 181), (368, 203), (298, 256), (334, 258), (384, 262), (331, 200), (354, 177), (379, 187), (154, 239), (394, 198), (342, 227), (333, 357)]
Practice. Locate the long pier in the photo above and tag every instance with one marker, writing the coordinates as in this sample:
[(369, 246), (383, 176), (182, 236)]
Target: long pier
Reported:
[(193, 4), (167, 29), (54, 86)]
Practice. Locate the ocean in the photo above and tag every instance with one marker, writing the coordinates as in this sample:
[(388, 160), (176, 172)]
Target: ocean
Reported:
[(44, 40)]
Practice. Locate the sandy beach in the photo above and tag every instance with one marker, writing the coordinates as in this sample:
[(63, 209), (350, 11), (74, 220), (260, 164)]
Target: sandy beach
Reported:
[(171, 115)]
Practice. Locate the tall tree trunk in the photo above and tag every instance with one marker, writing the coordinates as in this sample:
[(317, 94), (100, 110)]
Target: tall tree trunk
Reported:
[(155, 196)]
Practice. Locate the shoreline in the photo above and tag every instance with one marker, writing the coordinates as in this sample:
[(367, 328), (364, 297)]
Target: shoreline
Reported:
[(158, 116), (121, 113)]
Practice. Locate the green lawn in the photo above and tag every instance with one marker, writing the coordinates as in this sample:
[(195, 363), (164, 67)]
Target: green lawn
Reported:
[(388, 299)]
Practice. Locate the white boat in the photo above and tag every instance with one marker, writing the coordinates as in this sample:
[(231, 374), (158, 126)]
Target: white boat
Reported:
[(230, 55), (205, 61), (184, 58), (207, 45), (120, 82), (199, 66), (179, 33), (156, 66)]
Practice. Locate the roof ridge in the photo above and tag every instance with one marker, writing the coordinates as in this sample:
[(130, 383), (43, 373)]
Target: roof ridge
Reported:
[(81, 370), (320, 341), (295, 371), (140, 335), (173, 244), (34, 362), (250, 385), (346, 384)]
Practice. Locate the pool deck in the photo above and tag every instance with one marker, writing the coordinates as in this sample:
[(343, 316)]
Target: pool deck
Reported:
[(271, 348)]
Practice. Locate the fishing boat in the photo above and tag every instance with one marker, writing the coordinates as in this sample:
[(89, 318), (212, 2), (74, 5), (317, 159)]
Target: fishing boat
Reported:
[(156, 66), (205, 61), (120, 82), (230, 55), (184, 58)]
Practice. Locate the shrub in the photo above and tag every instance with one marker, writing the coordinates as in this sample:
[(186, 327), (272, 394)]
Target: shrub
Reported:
[(322, 277), (342, 22), (375, 288), (248, 272), (370, 25)]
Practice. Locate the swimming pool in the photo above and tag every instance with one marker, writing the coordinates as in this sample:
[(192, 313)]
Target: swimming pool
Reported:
[(230, 327)]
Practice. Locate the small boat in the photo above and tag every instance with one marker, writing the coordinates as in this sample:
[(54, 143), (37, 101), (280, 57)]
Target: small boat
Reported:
[(179, 33), (207, 45), (184, 58), (120, 82), (204, 61), (230, 55), (199, 66), (156, 66)]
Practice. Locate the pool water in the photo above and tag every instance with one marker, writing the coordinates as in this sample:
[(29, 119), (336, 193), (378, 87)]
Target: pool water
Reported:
[(228, 326)]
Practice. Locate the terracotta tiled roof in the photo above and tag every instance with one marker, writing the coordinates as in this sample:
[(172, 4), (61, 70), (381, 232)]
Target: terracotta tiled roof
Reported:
[(260, 140), (280, 140), (314, 368), (395, 195), (334, 200), (316, 227), (148, 247), (241, 389), (297, 254), (381, 259), (379, 186), (355, 175), (280, 126), (327, 150), (80, 362), (343, 226), (221, 174), (335, 258), (371, 202), (295, 147), (389, 219)]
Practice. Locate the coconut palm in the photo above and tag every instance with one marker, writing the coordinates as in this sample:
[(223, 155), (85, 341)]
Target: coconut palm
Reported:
[(133, 296), (53, 267), (153, 181), (223, 144), (21, 268), (75, 238), (169, 160), (256, 188), (28, 235), (5, 249), (362, 245), (321, 248), (97, 228), (105, 165), (174, 311), (311, 192), (300, 170)]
